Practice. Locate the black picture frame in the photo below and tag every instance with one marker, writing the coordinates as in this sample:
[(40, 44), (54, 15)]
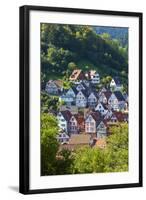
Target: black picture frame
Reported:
[(25, 105)]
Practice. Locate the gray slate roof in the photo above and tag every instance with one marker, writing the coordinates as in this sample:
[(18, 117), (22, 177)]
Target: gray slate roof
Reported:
[(119, 96)]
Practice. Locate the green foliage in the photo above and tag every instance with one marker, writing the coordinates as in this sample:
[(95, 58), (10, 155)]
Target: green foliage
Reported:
[(116, 153), (119, 33), (72, 66), (59, 58), (67, 85), (88, 160), (64, 164), (64, 45), (49, 144), (105, 81), (50, 103), (114, 158), (50, 164)]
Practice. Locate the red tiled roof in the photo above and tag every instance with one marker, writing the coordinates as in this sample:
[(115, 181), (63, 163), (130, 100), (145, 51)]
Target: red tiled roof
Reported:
[(107, 94), (75, 74), (66, 114), (96, 115), (120, 116), (79, 118)]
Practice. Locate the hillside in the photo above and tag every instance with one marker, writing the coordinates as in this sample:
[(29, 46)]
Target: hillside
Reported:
[(119, 33), (64, 47)]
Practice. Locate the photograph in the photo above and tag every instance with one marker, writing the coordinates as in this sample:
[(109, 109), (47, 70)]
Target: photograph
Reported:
[(80, 99), (84, 99)]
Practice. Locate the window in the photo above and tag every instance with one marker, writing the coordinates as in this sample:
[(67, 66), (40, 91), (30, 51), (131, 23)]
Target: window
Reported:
[(91, 129), (90, 118), (101, 125)]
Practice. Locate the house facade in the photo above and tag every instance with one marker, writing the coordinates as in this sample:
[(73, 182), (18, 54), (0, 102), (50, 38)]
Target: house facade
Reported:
[(52, 88), (69, 100), (73, 125), (81, 86), (94, 77), (117, 101), (92, 100), (113, 102), (70, 96), (104, 97), (101, 108), (90, 125), (81, 99), (91, 122), (115, 84), (108, 115), (63, 120), (63, 138), (101, 130)]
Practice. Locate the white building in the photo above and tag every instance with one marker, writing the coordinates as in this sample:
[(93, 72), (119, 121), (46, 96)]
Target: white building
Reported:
[(63, 120), (115, 84), (101, 130), (92, 99), (101, 108), (81, 99), (117, 101), (63, 138), (94, 77)]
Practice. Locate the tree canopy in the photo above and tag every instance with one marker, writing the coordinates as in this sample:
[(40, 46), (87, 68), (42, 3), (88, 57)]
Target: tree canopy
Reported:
[(49, 144), (63, 47), (112, 158)]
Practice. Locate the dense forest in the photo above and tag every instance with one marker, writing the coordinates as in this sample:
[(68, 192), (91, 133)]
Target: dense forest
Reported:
[(64, 47), (118, 33)]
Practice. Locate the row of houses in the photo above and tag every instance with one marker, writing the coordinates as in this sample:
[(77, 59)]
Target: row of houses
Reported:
[(90, 98), (88, 113), (81, 80), (93, 123), (83, 95), (78, 75)]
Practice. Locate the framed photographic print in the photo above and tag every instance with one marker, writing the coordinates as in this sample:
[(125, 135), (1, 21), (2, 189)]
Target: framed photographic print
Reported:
[(80, 99)]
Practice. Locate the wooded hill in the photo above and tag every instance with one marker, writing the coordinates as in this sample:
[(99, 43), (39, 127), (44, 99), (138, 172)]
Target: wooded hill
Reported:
[(65, 47), (118, 33)]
